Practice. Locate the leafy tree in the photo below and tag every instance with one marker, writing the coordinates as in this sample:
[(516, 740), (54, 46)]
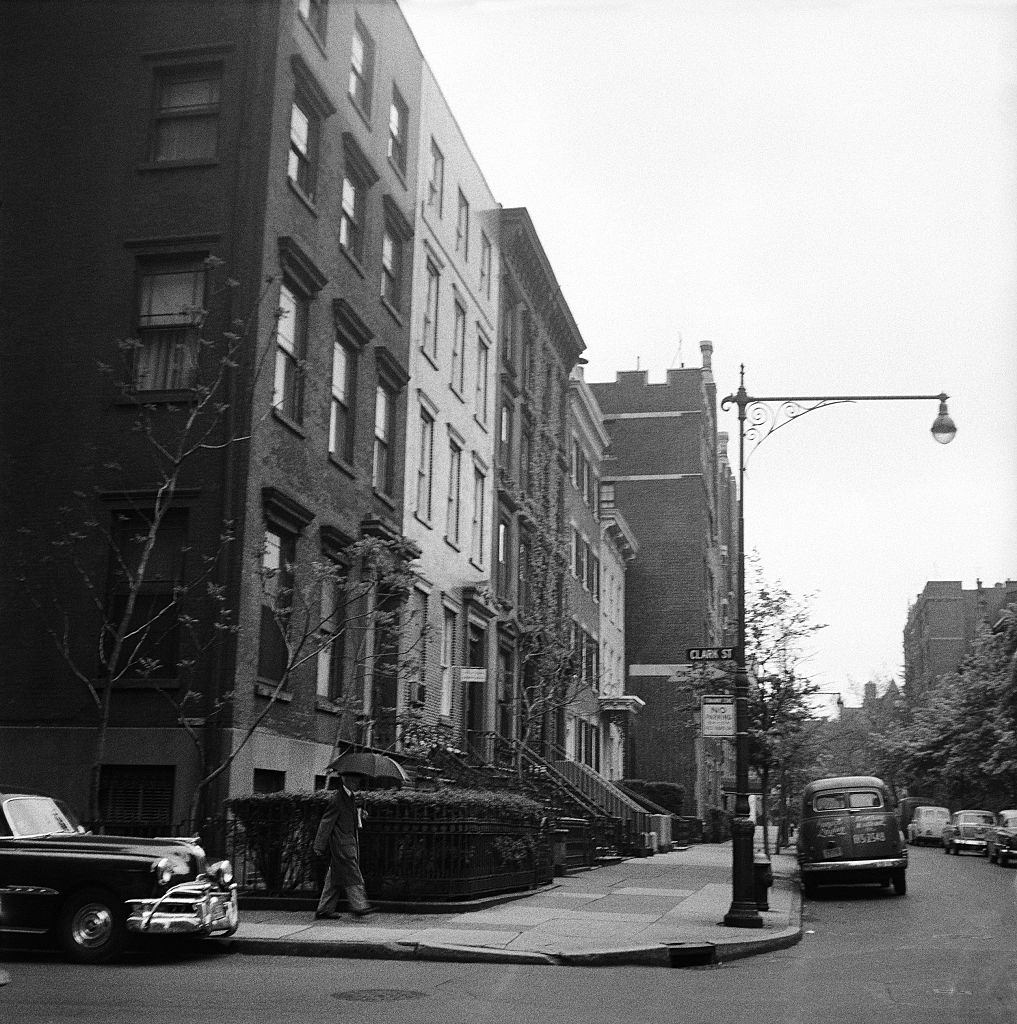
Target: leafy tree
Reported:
[(778, 625), (962, 738)]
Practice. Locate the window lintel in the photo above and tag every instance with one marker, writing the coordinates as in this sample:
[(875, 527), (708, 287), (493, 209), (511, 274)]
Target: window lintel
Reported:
[(310, 88), (296, 262)]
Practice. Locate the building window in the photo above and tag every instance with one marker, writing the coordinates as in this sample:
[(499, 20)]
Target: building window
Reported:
[(304, 128), (340, 420), (398, 125), (351, 216), (383, 413), (436, 183), (504, 565), (170, 301), (508, 327), (151, 647), (315, 15), (268, 780), (429, 340), (448, 654), (523, 575), (137, 800), (485, 265), (477, 539), (525, 455), (187, 114), (458, 349), (578, 558), (332, 632), (455, 468), (526, 348), (505, 436), (425, 459), (361, 68), (291, 341), (483, 365), (463, 227), (392, 268), (278, 556)]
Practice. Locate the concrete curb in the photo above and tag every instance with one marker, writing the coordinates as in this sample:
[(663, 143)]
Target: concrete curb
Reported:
[(672, 954)]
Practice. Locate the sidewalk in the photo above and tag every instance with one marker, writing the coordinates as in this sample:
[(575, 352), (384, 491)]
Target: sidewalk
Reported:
[(664, 910)]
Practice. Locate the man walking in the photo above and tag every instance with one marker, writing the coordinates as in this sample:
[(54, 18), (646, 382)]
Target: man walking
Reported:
[(338, 839)]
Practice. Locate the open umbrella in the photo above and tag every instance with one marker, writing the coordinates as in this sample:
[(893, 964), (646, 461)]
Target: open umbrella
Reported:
[(371, 766)]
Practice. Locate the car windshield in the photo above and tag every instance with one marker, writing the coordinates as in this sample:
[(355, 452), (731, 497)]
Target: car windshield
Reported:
[(975, 818), (932, 812), (37, 816), (852, 798), (1008, 819)]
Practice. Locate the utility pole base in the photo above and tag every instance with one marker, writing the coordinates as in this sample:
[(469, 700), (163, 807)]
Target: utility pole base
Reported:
[(743, 915)]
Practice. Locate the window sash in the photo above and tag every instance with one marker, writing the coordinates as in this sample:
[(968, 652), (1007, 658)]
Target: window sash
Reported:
[(291, 334), (187, 114), (424, 465), (361, 69), (458, 349), (477, 547), (463, 227), (340, 427), (398, 115), (391, 269), (454, 481), (382, 428), (483, 363), (351, 231), (436, 184), (430, 338), (301, 168)]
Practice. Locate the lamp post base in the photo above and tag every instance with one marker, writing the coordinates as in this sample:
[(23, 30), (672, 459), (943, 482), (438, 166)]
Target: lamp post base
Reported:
[(744, 911)]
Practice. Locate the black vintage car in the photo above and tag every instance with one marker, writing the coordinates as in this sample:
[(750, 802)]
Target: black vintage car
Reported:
[(91, 891)]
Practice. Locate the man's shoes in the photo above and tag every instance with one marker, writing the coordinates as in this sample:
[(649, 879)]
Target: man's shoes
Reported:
[(327, 915), (364, 912)]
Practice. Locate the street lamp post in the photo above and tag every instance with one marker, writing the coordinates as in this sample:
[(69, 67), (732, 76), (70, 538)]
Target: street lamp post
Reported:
[(766, 415)]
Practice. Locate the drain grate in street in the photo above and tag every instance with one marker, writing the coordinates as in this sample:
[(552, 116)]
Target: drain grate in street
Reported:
[(378, 995)]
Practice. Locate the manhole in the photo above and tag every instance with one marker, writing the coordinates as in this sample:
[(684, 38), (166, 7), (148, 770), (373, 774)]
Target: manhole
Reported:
[(378, 995)]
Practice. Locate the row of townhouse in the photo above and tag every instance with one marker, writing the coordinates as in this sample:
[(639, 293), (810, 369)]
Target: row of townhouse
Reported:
[(282, 182)]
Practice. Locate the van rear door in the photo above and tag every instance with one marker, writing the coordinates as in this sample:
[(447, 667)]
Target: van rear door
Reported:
[(874, 831)]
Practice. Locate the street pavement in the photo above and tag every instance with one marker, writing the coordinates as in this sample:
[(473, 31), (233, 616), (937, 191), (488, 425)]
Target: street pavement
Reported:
[(664, 910)]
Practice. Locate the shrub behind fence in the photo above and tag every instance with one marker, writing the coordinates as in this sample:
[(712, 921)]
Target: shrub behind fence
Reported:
[(447, 844)]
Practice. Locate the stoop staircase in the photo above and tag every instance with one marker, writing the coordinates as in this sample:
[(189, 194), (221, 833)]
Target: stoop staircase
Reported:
[(569, 791)]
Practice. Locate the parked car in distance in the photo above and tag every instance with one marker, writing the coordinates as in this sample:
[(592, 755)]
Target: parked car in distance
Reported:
[(927, 825), (968, 830), (849, 833), (906, 807), (1001, 841), (91, 891)]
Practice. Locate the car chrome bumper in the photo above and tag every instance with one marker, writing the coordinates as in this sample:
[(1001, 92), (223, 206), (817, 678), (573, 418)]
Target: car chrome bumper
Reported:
[(970, 844), (833, 866), (187, 909)]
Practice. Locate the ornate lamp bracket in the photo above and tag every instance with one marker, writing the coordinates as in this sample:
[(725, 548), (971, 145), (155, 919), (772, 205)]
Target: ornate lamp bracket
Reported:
[(763, 418)]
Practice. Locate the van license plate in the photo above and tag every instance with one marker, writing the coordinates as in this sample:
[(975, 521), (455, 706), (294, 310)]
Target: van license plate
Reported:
[(832, 852)]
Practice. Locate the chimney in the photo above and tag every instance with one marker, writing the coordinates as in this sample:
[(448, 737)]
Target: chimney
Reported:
[(706, 347)]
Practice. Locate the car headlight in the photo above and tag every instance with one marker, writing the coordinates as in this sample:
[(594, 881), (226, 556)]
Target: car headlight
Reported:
[(168, 868), (221, 872)]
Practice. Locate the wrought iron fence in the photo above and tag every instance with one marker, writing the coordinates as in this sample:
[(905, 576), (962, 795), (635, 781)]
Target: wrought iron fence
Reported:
[(402, 856)]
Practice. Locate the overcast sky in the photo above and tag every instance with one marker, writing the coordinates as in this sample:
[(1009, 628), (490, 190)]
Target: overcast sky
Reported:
[(827, 191)]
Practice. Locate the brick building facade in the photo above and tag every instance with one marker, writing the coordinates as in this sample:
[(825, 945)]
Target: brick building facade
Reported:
[(668, 476), (942, 624)]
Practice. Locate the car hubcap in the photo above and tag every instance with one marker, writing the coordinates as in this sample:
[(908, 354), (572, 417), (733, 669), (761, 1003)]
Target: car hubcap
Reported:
[(92, 925)]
